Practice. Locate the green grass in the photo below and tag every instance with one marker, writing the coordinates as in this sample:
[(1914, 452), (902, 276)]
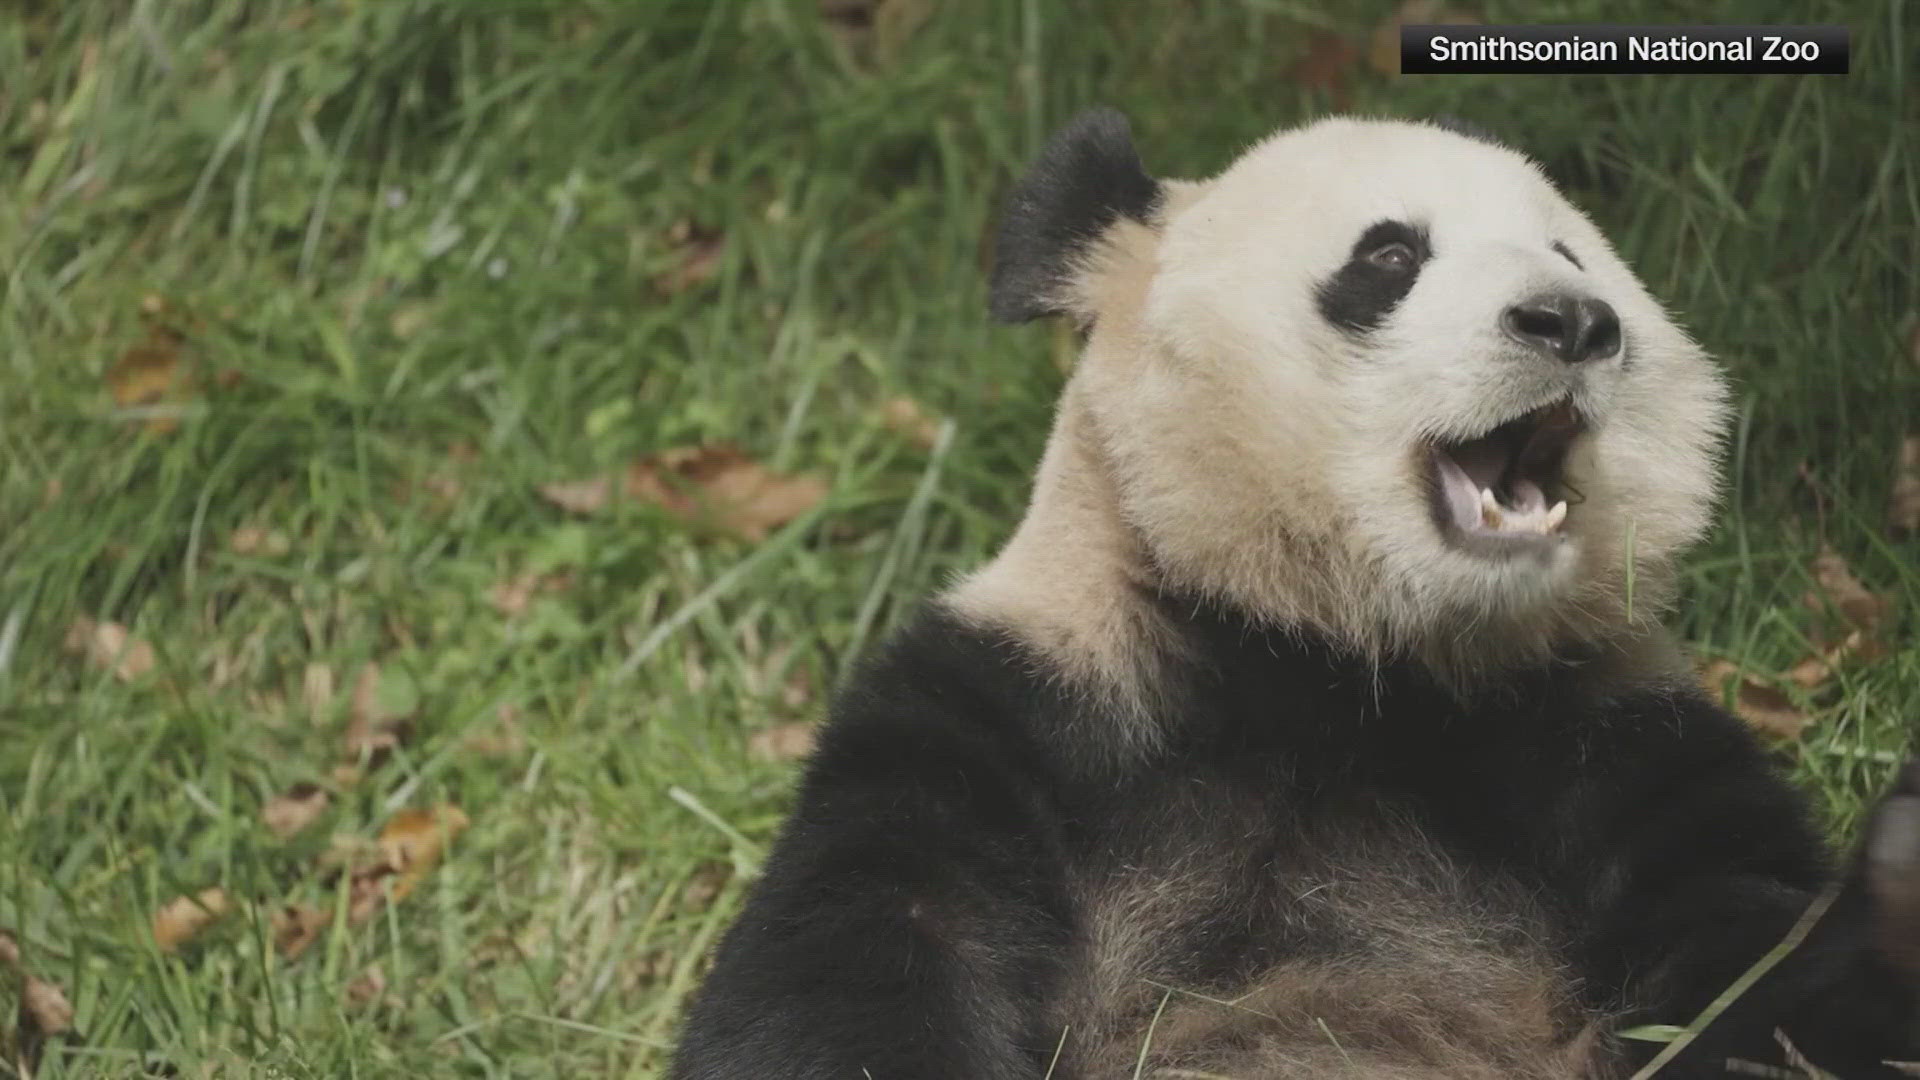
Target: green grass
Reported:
[(426, 237)]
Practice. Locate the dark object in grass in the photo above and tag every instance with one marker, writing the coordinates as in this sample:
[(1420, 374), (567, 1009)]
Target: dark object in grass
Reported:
[(1313, 723)]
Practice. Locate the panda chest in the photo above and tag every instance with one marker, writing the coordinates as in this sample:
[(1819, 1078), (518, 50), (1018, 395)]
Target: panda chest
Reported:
[(1219, 918)]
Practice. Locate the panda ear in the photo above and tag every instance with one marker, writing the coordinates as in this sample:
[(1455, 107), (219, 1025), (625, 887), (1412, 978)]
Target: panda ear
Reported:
[(1086, 178), (1471, 130)]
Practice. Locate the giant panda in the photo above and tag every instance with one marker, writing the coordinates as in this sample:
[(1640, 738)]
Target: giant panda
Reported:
[(1316, 720)]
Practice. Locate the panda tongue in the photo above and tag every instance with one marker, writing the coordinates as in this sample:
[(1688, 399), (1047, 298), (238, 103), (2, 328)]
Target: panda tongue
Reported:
[(1461, 492), (1470, 475)]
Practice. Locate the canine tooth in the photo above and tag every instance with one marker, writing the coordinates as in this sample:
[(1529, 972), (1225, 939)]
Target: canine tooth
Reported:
[(1490, 509), (1556, 515)]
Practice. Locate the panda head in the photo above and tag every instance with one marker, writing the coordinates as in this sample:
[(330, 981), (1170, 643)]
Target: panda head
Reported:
[(1377, 379)]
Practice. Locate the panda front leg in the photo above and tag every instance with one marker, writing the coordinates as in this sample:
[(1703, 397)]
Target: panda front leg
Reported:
[(1704, 862), (908, 923)]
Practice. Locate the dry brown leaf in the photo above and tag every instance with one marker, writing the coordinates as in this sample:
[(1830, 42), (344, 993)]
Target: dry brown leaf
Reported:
[(108, 645), (797, 691), (715, 485), (1816, 670), (512, 596), (179, 919), (368, 986), (904, 417), (410, 845), (721, 486), (579, 496), (300, 807), (783, 742), (254, 540), (1903, 502), (1768, 709), (45, 1013), (696, 257), (150, 372), (296, 926), (705, 884), (1329, 60), (1837, 590), (1383, 52)]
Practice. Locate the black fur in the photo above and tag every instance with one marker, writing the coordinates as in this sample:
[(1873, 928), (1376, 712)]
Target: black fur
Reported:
[(1360, 295), (1088, 176), (915, 914)]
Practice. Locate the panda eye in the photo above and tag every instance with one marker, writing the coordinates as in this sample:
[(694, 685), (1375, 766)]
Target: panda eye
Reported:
[(1396, 256)]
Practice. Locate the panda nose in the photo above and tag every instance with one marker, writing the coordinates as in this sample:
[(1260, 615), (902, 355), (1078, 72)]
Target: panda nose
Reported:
[(1573, 328)]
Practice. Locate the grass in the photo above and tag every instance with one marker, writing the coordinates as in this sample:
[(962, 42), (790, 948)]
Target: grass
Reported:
[(432, 244)]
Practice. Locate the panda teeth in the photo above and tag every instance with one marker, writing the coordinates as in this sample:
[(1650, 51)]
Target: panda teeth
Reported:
[(1490, 513), (1501, 519), (1556, 516)]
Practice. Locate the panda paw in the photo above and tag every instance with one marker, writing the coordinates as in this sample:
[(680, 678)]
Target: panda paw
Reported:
[(1891, 868)]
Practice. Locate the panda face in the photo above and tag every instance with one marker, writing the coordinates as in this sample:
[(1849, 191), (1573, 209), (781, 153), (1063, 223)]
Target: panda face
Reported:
[(1395, 363)]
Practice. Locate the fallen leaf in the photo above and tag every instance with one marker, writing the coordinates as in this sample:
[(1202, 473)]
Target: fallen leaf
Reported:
[(410, 844), (1328, 61), (797, 691), (45, 1013), (511, 597), (904, 417), (705, 884), (714, 485), (300, 807), (1836, 590), (1816, 670), (579, 496), (150, 372), (368, 986), (296, 926), (108, 645), (181, 918), (1383, 52), (254, 540), (720, 485), (696, 257), (1766, 708), (1903, 502), (783, 742)]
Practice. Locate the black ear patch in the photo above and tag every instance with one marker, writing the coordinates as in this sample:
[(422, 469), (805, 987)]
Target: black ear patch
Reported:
[(1086, 178), (1471, 130)]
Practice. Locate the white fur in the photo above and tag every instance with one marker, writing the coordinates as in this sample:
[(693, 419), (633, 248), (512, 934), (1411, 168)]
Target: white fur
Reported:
[(1220, 436)]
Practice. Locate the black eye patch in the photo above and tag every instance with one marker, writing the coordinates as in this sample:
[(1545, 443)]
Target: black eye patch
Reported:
[(1360, 295), (1568, 255)]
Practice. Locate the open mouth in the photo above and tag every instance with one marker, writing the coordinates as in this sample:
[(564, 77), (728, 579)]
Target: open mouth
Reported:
[(1505, 488)]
